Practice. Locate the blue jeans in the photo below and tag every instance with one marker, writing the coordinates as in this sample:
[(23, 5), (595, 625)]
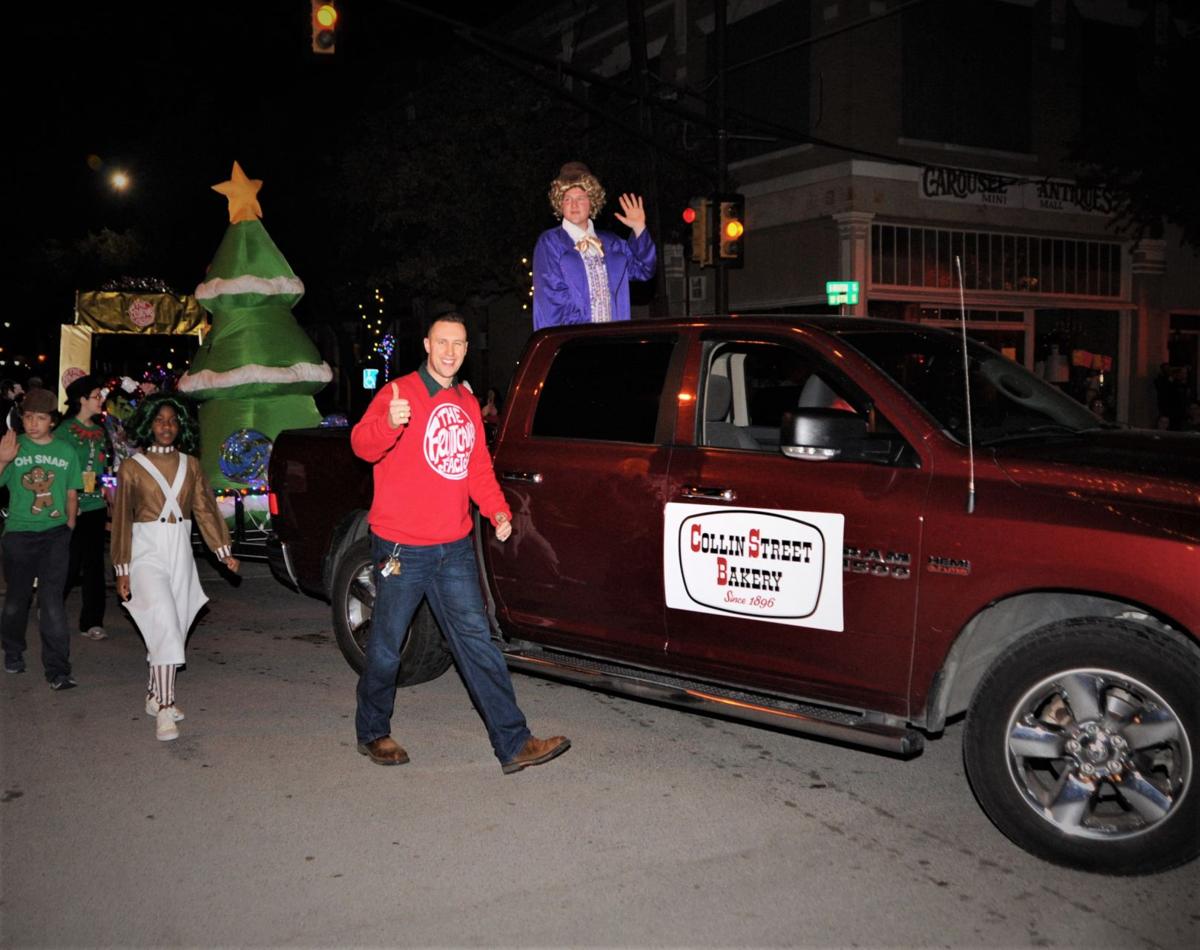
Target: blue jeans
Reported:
[(44, 555), (447, 575)]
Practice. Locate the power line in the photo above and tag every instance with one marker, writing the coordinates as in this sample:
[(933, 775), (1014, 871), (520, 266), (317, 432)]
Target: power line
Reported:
[(865, 21), (511, 54)]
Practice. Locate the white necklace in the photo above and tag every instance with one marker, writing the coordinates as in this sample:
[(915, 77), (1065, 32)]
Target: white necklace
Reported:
[(160, 449)]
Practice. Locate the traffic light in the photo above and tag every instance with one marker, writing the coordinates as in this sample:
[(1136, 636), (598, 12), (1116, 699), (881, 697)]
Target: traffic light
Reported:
[(324, 27), (731, 229), (698, 214)]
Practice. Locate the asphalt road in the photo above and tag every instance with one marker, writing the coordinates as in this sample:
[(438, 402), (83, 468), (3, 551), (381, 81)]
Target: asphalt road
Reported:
[(262, 826)]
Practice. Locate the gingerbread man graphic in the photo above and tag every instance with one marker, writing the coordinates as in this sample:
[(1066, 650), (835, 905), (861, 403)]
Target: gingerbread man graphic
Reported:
[(39, 481)]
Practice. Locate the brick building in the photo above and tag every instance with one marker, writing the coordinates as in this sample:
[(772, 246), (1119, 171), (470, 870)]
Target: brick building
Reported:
[(891, 140)]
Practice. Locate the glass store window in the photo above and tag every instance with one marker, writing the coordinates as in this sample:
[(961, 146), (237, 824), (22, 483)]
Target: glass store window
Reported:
[(1076, 350), (1177, 386), (1005, 331), (908, 256)]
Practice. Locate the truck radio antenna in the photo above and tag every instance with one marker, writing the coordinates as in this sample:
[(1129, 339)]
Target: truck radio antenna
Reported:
[(962, 322)]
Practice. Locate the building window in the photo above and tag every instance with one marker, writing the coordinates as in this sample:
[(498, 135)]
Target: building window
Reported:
[(773, 90), (1177, 389), (1076, 350), (903, 256), (968, 73), (1110, 59), (1005, 331)]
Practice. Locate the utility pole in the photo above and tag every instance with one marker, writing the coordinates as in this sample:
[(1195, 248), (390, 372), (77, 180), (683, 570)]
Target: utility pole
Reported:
[(638, 63), (721, 287)]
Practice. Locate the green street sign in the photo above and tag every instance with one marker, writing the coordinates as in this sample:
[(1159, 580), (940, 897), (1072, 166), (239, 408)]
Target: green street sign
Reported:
[(841, 291)]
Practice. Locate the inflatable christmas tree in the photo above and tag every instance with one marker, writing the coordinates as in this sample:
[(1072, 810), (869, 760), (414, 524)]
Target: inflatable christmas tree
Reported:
[(256, 372)]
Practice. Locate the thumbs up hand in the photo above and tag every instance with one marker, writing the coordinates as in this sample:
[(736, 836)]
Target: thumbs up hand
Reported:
[(399, 411)]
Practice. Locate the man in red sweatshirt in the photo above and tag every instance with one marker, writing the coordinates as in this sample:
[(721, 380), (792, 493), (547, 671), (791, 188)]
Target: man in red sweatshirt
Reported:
[(424, 435)]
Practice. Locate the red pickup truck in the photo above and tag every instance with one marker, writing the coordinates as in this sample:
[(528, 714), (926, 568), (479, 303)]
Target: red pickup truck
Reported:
[(849, 528)]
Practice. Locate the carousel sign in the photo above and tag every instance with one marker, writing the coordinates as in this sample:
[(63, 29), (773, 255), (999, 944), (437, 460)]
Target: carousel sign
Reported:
[(970, 186)]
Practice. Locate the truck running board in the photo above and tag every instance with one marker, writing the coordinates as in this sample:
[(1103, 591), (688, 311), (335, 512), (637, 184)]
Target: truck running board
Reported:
[(764, 710)]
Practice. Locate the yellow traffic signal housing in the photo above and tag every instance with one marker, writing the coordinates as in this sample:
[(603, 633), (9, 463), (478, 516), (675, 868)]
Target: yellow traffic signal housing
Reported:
[(702, 247), (324, 27), (731, 229)]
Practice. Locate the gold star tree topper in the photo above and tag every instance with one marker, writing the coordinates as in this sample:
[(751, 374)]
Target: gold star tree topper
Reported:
[(242, 193)]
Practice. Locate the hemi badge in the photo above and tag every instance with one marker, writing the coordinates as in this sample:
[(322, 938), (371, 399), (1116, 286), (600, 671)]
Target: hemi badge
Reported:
[(948, 565)]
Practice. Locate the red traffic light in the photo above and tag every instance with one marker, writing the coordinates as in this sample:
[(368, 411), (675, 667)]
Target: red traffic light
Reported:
[(689, 215)]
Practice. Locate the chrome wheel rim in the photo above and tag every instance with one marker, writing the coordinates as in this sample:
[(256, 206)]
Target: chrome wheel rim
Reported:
[(359, 604), (1098, 754)]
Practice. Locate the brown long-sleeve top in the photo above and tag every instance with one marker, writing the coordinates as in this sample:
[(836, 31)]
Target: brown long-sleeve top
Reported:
[(139, 499)]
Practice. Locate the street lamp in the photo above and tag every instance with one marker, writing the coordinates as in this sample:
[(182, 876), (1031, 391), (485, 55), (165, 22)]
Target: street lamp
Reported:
[(119, 181)]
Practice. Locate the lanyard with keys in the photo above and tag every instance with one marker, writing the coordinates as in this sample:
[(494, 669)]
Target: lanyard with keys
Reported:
[(391, 564)]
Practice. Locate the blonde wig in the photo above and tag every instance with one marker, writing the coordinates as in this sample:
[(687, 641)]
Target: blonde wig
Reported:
[(576, 175)]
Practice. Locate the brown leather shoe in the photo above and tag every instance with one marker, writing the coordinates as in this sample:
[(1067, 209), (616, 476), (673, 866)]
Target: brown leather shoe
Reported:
[(535, 752), (384, 751)]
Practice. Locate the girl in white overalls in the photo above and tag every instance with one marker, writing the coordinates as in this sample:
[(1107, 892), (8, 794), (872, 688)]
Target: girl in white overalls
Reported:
[(158, 493)]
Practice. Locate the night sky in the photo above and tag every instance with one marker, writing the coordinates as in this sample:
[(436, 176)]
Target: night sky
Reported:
[(173, 93)]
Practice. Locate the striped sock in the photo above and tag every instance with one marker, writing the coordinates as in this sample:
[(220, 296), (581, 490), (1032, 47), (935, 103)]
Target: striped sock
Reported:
[(162, 684)]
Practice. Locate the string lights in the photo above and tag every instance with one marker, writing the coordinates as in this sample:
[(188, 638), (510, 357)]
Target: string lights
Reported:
[(526, 281)]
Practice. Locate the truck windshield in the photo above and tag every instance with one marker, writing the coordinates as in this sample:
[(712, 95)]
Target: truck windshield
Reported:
[(1007, 401)]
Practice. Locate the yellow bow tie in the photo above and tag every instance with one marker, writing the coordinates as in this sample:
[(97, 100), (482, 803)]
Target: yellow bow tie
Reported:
[(590, 241)]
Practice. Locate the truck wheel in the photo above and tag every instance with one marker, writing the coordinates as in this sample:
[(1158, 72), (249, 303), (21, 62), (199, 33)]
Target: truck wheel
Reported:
[(424, 655), (1081, 746)]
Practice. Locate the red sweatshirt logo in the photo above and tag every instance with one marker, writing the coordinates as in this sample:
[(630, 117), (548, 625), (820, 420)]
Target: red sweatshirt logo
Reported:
[(449, 439)]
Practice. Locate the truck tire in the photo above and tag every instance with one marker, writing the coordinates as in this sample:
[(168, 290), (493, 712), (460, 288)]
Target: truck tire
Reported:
[(423, 657), (1081, 745)]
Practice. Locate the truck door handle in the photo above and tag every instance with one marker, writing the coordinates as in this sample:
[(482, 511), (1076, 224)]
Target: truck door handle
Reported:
[(698, 491), (534, 477)]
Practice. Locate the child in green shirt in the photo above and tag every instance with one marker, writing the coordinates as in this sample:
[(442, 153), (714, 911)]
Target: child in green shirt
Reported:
[(80, 430), (42, 477)]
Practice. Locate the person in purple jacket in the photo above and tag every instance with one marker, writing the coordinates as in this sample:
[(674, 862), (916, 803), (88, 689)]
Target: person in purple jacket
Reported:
[(581, 275)]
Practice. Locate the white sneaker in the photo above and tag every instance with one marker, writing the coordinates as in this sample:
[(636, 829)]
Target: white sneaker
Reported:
[(152, 709), (164, 726)]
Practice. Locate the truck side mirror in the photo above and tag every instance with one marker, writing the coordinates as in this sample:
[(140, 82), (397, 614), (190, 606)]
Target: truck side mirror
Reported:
[(818, 435)]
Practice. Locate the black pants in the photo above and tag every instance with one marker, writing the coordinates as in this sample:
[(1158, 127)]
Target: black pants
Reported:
[(86, 566), (40, 554)]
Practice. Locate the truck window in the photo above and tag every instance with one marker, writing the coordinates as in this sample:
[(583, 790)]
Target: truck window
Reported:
[(748, 388), (1007, 401), (605, 390)]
